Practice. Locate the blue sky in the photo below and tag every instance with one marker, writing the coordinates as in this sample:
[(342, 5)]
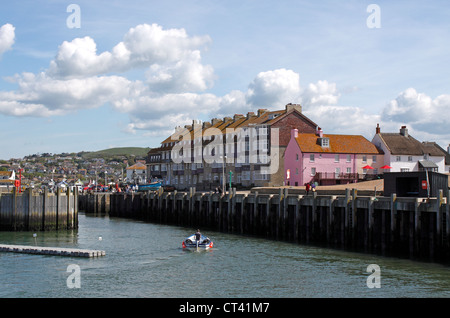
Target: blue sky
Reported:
[(136, 69)]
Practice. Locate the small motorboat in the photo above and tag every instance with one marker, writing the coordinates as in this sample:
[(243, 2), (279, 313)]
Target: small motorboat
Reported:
[(192, 243), (154, 186)]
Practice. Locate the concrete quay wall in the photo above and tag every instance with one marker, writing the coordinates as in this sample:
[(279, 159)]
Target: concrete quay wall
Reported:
[(416, 228)]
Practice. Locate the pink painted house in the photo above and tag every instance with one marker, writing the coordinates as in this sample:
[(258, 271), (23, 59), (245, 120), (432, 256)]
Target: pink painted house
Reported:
[(329, 159)]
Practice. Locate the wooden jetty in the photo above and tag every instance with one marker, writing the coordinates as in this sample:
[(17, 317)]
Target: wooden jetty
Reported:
[(416, 228), (58, 251)]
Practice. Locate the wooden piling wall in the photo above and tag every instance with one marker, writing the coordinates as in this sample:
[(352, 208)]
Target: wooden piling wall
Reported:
[(28, 211), (415, 228)]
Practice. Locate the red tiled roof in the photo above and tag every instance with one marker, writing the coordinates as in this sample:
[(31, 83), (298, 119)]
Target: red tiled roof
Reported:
[(354, 144)]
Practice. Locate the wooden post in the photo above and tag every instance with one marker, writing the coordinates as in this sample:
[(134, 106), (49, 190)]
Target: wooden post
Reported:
[(370, 217), (255, 212), (439, 202), (353, 228), (330, 220), (75, 209), (393, 217), (279, 213), (297, 215), (233, 209), (267, 219), (447, 232), (284, 214), (346, 216), (229, 208), (354, 196), (174, 205), (417, 226), (30, 222), (58, 200), (13, 211), (242, 212)]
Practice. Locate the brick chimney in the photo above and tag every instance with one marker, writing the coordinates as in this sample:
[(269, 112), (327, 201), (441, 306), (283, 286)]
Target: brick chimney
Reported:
[(238, 116), (377, 129), (296, 107), (250, 114), (261, 111)]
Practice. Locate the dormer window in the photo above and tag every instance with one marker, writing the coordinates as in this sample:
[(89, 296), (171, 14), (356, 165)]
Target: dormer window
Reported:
[(324, 142)]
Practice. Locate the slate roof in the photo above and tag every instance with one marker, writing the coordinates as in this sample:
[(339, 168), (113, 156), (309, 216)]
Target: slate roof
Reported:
[(443, 152), (408, 145)]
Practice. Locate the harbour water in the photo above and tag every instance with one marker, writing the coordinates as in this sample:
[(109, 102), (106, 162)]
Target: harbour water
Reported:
[(147, 260)]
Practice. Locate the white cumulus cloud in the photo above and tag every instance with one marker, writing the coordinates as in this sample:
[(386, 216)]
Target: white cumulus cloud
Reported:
[(143, 46), (421, 112), (7, 37), (40, 95), (320, 94), (274, 88), (79, 77)]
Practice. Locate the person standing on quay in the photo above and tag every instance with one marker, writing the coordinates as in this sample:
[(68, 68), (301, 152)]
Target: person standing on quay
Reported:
[(307, 187)]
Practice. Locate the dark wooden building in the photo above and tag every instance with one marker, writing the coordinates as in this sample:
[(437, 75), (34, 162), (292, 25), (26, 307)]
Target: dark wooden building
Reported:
[(415, 184)]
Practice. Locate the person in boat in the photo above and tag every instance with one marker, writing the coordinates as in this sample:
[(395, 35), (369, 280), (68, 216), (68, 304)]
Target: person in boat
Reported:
[(198, 236)]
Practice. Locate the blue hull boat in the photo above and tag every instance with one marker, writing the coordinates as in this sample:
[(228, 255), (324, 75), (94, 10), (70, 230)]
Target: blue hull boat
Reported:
[(154, 186)]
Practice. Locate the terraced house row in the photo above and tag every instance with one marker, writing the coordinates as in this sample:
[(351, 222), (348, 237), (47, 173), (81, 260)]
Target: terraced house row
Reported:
[(282, 147)]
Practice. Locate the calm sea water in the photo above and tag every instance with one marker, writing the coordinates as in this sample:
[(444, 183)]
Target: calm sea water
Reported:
[(146, 260)]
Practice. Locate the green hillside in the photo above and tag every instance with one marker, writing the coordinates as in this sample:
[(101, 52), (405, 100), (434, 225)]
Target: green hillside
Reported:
[(116, 152)]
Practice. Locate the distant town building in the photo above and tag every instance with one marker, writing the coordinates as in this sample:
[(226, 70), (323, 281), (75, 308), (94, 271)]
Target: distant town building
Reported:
[(137, 173)]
